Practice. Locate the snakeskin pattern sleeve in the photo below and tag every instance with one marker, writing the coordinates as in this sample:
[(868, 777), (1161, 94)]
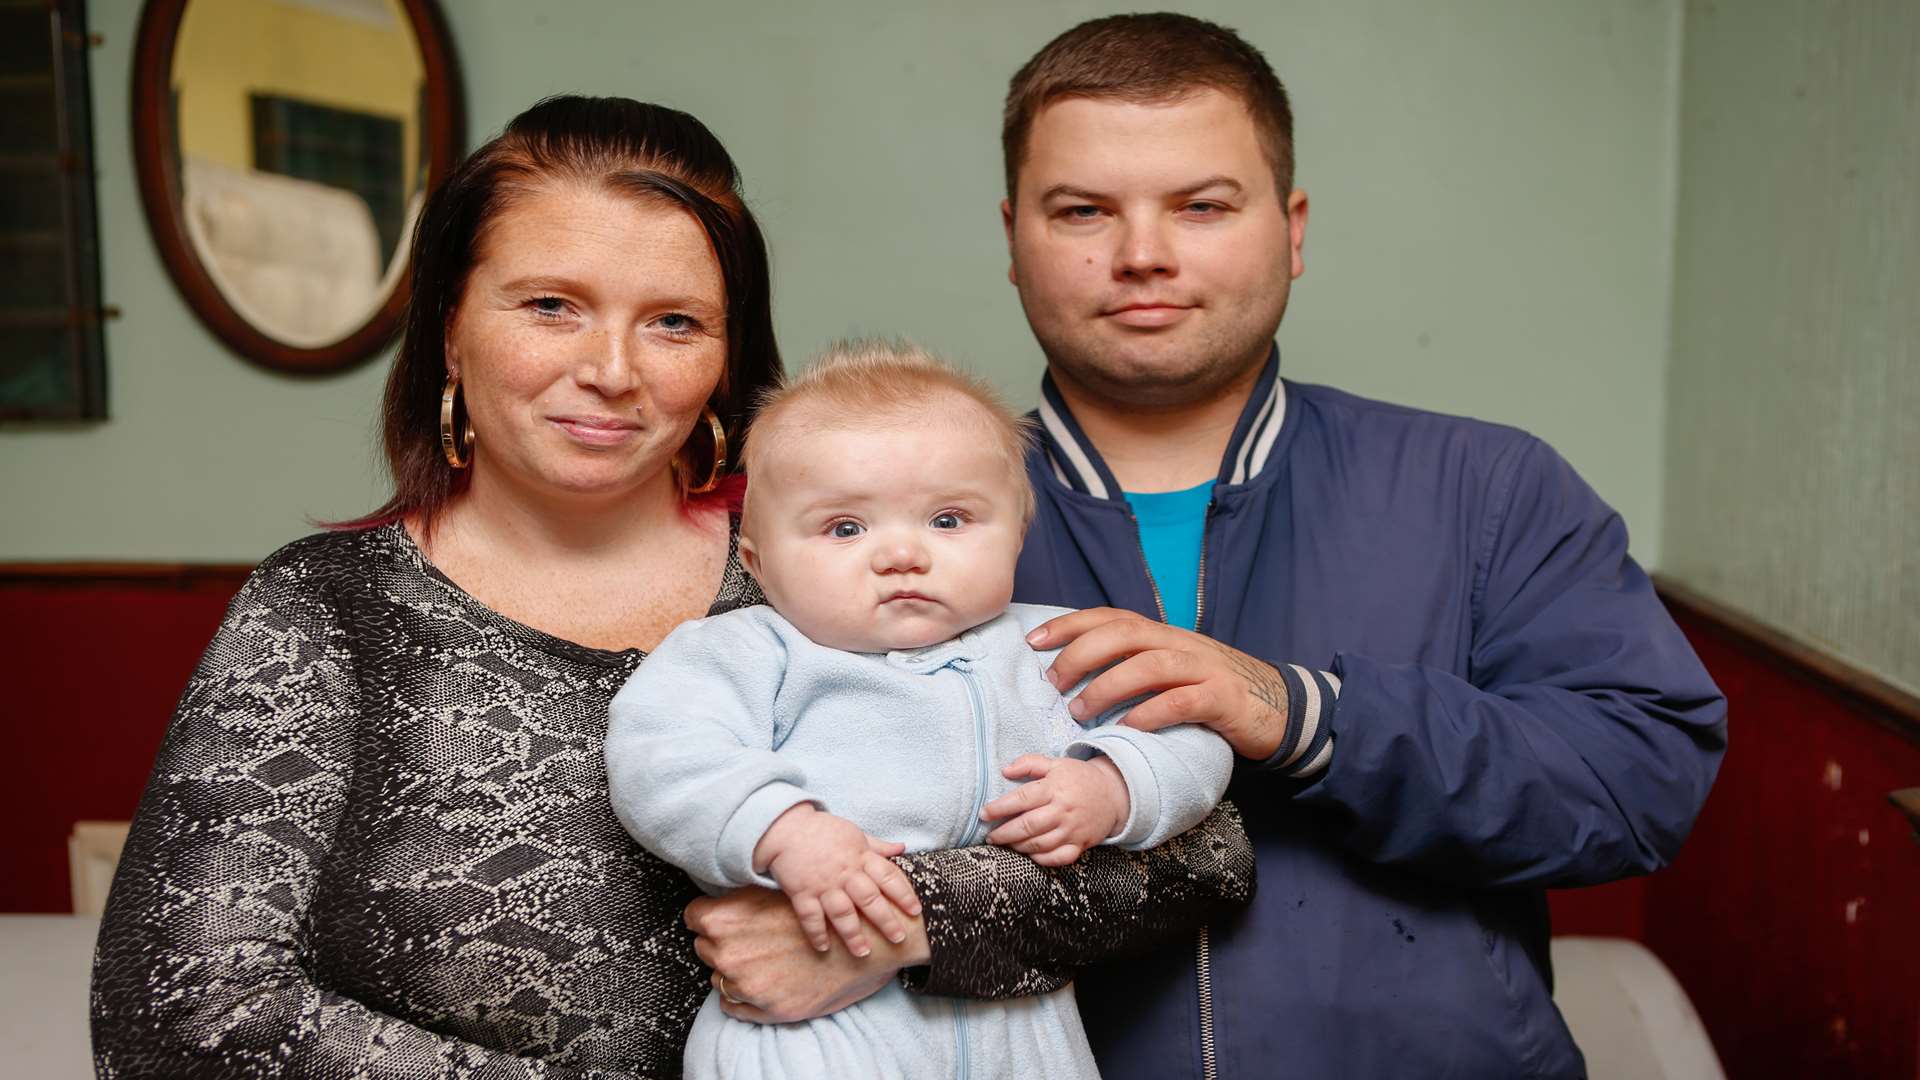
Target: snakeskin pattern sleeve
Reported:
[(376, 845), (1001, 926)]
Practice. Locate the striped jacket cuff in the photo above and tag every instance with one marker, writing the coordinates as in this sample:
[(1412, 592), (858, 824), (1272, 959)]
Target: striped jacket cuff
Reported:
[(1307, 746)]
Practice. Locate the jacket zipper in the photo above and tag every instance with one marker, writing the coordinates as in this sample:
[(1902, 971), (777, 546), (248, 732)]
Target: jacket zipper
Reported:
[(1203, 947), (979, 801), (1209, 1058), (1139, 545), (1200, 585)]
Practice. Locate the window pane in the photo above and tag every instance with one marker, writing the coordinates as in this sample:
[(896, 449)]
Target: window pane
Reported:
[(30, 200), (38, 370), (27, 114), (33, 275), (26, 40)]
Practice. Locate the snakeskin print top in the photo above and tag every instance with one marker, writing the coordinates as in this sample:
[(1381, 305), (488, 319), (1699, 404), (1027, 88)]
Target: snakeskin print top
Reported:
[(377, 843)]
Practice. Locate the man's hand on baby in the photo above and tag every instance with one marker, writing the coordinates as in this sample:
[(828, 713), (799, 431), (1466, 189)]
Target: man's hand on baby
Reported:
[(1066, 807), (833, 873), (1193, 678)]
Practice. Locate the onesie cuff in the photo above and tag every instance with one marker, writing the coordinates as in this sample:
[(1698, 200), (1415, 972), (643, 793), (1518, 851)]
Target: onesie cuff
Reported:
[(749, 823), (1307, 745)]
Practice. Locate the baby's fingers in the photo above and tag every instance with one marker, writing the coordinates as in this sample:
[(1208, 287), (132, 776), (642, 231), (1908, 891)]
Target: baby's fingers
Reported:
[(1043, 843), (1027, 767), (876, 907), (1060, 856), (885, 848), (893, 882), (845, 918), (813, 921), (1018, 801), (1037, 822)]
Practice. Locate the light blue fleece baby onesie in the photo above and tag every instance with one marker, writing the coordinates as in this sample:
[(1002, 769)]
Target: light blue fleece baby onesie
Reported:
[(736, 718)]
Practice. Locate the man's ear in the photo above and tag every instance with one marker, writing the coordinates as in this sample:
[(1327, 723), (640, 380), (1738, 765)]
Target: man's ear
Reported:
[(1006, 222), (1297, 228)]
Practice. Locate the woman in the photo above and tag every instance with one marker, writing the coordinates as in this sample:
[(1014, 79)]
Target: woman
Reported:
[(377, 841)]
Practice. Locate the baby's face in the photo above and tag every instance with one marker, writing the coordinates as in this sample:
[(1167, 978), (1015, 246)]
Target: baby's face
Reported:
[(889, 536)]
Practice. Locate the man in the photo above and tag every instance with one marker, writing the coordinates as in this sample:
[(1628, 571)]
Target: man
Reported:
[(1448, 685)]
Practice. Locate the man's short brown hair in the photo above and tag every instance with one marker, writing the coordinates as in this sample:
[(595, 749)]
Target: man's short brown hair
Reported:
[(1149, 59)]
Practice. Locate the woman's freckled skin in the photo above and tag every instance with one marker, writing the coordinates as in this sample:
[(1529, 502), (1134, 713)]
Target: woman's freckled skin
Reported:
[(578, 308)]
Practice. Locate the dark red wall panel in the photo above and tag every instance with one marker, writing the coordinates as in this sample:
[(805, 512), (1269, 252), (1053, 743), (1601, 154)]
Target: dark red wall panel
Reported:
[(1616, 910), (93, 668), (1793, 915)]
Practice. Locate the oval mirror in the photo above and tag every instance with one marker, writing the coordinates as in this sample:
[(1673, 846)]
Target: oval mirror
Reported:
[(284, 148)]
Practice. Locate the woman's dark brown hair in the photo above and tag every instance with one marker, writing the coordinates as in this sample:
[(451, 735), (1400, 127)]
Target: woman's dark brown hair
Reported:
[(645, 151)]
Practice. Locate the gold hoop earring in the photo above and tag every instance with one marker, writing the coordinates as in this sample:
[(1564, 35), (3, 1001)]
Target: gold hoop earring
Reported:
[(719, 453), (451, 444)]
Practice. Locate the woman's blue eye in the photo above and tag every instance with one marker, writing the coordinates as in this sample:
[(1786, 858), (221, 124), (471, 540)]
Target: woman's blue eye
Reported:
[(846, 530), (678, 323), (946, 521)]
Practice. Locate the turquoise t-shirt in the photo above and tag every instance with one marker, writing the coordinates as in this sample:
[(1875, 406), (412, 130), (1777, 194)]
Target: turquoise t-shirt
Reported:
[(1172, 525)]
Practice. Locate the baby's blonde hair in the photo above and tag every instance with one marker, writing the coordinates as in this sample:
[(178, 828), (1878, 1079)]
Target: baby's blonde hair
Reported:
[(871, 379)]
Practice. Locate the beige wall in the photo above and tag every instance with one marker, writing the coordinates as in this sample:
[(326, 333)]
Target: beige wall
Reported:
[(1793, 487), (230, 49), (1490, 234)]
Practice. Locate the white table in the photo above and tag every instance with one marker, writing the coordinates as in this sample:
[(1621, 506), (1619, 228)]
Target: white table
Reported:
[(45, 965)]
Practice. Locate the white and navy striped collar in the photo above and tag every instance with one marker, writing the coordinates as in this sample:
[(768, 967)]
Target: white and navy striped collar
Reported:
[(1079, 466)]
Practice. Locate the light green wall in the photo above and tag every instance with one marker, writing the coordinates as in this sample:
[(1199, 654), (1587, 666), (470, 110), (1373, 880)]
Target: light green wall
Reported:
[(1490, 233), (1793, 487)]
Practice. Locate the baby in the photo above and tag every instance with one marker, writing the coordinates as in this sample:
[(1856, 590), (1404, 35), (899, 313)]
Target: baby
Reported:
[(872, 701)]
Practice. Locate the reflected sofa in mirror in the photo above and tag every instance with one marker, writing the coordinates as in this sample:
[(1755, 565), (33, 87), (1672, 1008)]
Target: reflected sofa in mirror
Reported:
[(284, 149)]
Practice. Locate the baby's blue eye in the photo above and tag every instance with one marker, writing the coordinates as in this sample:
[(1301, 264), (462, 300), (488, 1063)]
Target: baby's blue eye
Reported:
[(846, 530), (946, 521)]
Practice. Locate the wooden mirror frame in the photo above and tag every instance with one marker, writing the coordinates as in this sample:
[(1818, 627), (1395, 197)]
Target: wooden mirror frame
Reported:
[(157, 166)]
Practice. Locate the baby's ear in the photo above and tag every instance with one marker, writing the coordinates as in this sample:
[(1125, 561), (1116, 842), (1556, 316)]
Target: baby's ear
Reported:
[(749, 556)]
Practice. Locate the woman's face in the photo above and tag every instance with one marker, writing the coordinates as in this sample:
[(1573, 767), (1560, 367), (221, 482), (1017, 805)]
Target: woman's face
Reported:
[(589, 336)]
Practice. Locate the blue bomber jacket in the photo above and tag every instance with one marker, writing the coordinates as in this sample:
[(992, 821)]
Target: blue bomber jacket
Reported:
[(1505, 708)]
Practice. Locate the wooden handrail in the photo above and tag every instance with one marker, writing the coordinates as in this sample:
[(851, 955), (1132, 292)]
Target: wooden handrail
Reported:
[(1893, 705), (1908, 801), (78, 575)]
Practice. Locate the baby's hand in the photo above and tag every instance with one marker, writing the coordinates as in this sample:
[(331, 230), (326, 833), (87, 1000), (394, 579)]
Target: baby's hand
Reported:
[(832, 872), (1069, 806)]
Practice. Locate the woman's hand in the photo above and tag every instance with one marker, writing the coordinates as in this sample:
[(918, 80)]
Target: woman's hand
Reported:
[(1193, 679), (752, 939)]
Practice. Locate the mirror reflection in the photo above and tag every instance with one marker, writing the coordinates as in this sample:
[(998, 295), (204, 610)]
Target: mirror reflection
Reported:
[(300, 136)]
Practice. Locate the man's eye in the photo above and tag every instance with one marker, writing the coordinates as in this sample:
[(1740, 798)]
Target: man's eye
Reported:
[(1082, 213), (947, 520), (548, 306), (846, 530)]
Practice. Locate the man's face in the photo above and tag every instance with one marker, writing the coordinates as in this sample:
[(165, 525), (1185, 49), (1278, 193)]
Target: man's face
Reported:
[(1151, 247)]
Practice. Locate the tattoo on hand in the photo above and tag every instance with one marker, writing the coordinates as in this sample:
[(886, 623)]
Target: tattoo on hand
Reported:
[(1263, 682)]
